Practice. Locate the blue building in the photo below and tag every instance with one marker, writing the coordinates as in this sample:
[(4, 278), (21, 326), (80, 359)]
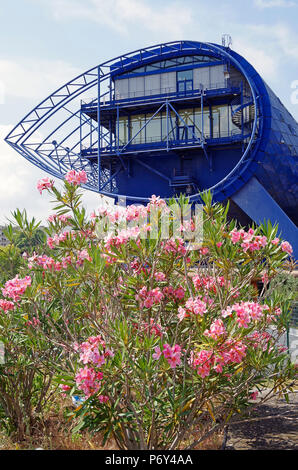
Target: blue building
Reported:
[(180, 117)]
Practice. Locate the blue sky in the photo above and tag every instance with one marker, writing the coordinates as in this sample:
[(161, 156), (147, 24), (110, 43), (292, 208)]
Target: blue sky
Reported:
[(45, 43)]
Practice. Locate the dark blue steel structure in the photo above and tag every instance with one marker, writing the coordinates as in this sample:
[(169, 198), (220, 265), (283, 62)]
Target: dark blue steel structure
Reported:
[(183, 116)]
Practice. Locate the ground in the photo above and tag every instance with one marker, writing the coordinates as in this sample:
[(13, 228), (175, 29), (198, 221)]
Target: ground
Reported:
[(273, 425)]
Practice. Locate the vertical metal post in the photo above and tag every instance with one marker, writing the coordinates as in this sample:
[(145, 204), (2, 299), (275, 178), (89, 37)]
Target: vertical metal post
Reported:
[(81, 129), (110, 131), (202, 115), (242, 123), (242, 102), (117, 129), (98, 127), (211, 121), (167, 107)]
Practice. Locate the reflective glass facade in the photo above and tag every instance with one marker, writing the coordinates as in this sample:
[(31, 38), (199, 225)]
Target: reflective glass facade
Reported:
[(216, 122)]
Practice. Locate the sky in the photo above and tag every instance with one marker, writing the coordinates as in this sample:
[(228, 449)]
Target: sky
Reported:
[(45, 43)]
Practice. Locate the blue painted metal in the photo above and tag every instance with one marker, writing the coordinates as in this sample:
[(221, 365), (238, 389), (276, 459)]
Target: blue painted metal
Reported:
[(82, 134)]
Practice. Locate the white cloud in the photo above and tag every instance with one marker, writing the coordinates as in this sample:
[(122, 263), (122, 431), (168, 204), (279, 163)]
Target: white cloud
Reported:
[(274, 3), (265, 64), (18, 185), (32, 78), (122, 15)]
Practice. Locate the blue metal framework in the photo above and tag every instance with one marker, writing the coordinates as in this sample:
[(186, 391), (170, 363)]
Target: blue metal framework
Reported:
[(71, 130)]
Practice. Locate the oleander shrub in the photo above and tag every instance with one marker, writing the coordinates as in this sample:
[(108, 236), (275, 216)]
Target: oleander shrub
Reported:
[(161, 335)]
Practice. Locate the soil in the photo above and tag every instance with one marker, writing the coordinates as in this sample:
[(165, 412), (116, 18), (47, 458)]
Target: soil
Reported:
[(270, 426)]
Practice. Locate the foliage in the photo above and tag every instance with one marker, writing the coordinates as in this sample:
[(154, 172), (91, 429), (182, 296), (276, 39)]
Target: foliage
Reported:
[(10, 262), (156, 332), (25, 234)]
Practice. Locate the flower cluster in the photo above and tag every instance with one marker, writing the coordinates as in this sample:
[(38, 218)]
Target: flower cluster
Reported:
[(209, 282), (16, 287), (45, 183), (229, 352), (175, 246), (93, 354), (245, 312), (88, 380), (249, 241), (287, 247), (58, 238), (123, 237), (76, 177), (6, 305), (196, 306), (216, 330), (89, 351), (148, 298), (172, 354), (152, 328), (61, 218)]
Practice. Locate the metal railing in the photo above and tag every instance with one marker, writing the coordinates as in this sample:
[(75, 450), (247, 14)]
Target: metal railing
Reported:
[(166, 92)]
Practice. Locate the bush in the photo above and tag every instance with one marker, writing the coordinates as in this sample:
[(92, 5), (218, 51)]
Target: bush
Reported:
[(160, 336)]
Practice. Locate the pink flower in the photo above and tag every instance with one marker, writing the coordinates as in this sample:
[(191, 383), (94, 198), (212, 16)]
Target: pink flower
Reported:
[(175, 245), (6, 305), (202, 362), (204, 250), (76, 177), (285, 246), (196, 306), (182, 313), (64, 388), (83, 255), (235, 236), (160, 276), (89, 351), (172, 354), (45, 183), (157, 353), (179, 293), (16, 287), (88, 380), (254, 395), (103, 398), (275, 241), (154, 296), (245, 312), (219, 244), (216, 330)]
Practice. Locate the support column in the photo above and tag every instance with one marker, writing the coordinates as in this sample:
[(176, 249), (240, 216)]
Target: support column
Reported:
[(98, 128)]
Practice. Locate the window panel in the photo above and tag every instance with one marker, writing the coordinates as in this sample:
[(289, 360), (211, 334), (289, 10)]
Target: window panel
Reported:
[(137, 122), (184, 75), (153, 128), (123, 130), (198, 122)]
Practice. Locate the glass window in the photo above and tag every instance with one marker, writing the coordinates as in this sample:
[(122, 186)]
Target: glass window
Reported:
[(215, 123), (168, 129), (187, 115), (123, 130), (153, 128), (221, 123), (184, 75), (137, 122), (198, 122)]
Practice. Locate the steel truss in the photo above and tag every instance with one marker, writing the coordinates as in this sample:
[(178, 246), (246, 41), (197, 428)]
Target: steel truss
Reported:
[(53, 136)]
